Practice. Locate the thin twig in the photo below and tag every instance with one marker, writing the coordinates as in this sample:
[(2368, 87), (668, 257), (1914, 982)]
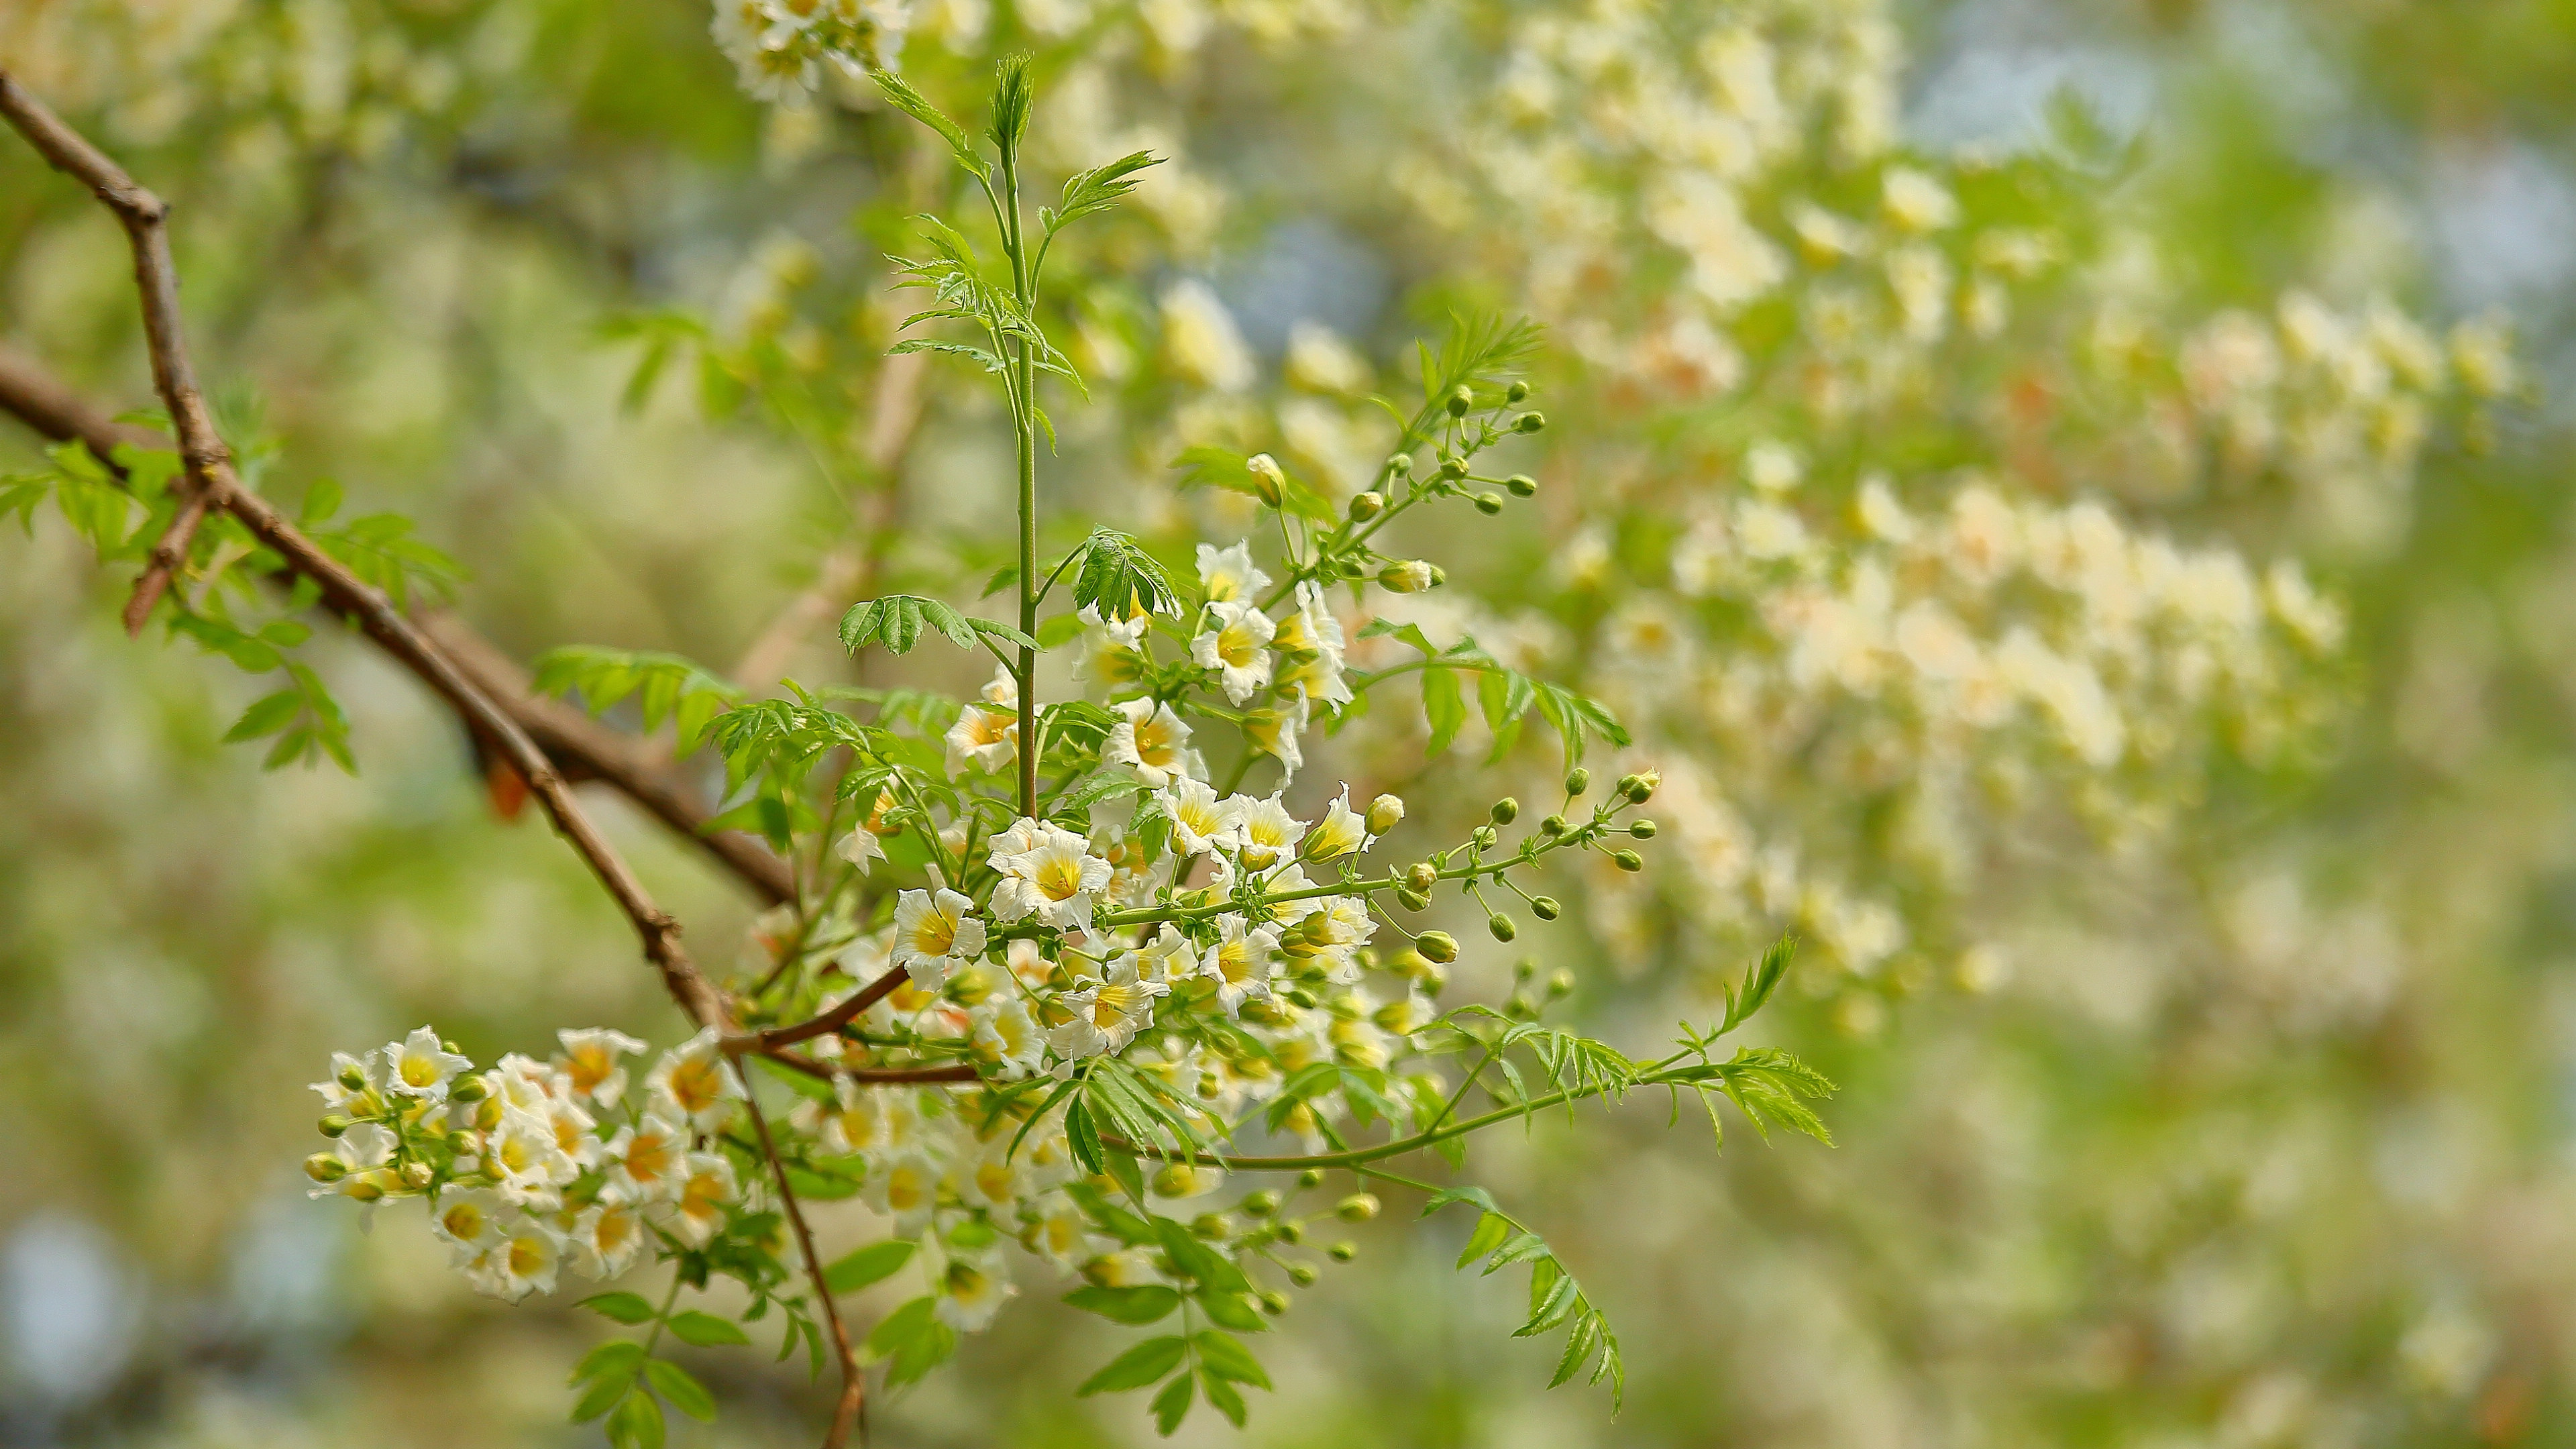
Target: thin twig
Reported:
[(211, 474), (582, 747), (853, 1379), (839, 1016), (864, 1076)]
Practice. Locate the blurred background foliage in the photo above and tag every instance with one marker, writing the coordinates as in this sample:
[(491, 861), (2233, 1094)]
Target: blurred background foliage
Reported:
[(2205, 1038)]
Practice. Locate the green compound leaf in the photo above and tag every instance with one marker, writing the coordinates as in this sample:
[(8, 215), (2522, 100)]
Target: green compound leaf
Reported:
[(912, 1341), (1118, 579), (914, 104), (623, 1307), (1555, 1299), (706, 1330), (1172, 1405), (1134, 1306), (637, 1423), (680, 1389), (1227, 1358)]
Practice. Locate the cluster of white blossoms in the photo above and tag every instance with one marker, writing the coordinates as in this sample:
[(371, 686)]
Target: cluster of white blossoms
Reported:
[(533, 1166)]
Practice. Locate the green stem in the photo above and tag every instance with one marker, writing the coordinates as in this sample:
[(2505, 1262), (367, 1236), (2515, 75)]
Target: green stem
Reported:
[(663, 1317), (1025, 425)]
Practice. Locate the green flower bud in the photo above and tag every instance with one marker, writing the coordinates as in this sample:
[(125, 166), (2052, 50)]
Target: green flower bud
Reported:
[(1262, 1204), (335, 1124), (1529, 422), (1410, 899), (1439, 576), (1516, 391), (469, 1089), (1273, 1302), (1453, 468), (1520, 1006), (1484, 837), (1438, 947), (1359, 1207), (1460, 400), (415, 1175), (1546, 908), (1400, 464), (1502, 927), (1577, 780), (1552, 827), (1302, 1274), (1524, 968), (1408, 576), (1384, 814), (1215, 1227), (1630, 861), (1291, 1233), (366, 1189), (1343, 1252), (1641, 787), (1300, 996), (1269, 483), (1177, 1179), (1522, 485), (1642, 829), (1506, 810), (1311, 1177), (1489, 504), (353, 1077), (1560, 983), (1421, 878), (1432, 980), (325, 1167), (1365, 506)]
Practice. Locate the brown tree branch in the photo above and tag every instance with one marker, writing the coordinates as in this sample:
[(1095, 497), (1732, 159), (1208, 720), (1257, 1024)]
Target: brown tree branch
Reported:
[(211, 475), (845, 1414), (833, 1020), (580, 746)]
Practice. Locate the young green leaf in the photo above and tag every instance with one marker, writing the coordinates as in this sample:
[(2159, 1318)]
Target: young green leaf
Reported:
[(705, 1329), (914, 104), (680, 1389), (1143, 1364), (623, 1307), (1136, 1306), (872, 1264)]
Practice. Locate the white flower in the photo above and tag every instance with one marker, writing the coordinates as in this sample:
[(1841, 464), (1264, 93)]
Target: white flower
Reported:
[(1342, 831), (992, 1178), (1242, 963), (590, 1062), (1049, 872), (1319, 360), (1201, 820), (868, 1119), (525, 1261), (1228, 574), (1236, 644), (1152, 742), (337, 1093), (1007, 1038), (1168, 957), (1200, 338), (1108, 1013), (705, 1192), (471, 1220), (695, 1078), (574, 1136), (1268, 832), (934, 935), (529, 1162), (905, 1189), (1310, 643), (419, 1066), (971, 1290), (606, 1238), (1274, 732), (646, 1162), (988, 739), (861, 845), (1915, 201)]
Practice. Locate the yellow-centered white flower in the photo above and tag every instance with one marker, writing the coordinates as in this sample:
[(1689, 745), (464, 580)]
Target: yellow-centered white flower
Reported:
[(1152, 742), (1047, 872), (695, 1078), (1242, 963), (607, 1238), (1107, 1013), (591, 1062), (1268, 834), (419, 1066), (1202, 820), (645, 1162), (934, 935), (1341, 832), (1235, 644), (706, 1191), (1228, 574)]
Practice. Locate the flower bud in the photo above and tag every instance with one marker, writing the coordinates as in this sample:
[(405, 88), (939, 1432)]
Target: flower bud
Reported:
[(1421, 878), (1215, 1227), (1300, 996), (1577, 780), (335, 1124), (1484, 837), (1273, 1302), (369, 1188), (1529, 422), (1311, 1177), (1553, 826), (1290, 1232), (469, 1089), (1489, 504), (1640, 787), (487, 1114), (1546, 908), (1176, 1179), (1359, 1207), (415, 1175), (1506, 810), (354, 1077), (1262, 1204), (1522, 485), (1502, 927), (1343, 1252), (1368, 505), (1560, 982), (1400, 464), (1439, 576), (1410, 899), (325, 1167), (1453, 468), (1520, 1007), (1268, 482), (1384, 814), (1432, 980), (1302, 1274), (1408, 576), (1460, 400), (1516, 391), (1630, 861), (1642, 829), (1438, 947)]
